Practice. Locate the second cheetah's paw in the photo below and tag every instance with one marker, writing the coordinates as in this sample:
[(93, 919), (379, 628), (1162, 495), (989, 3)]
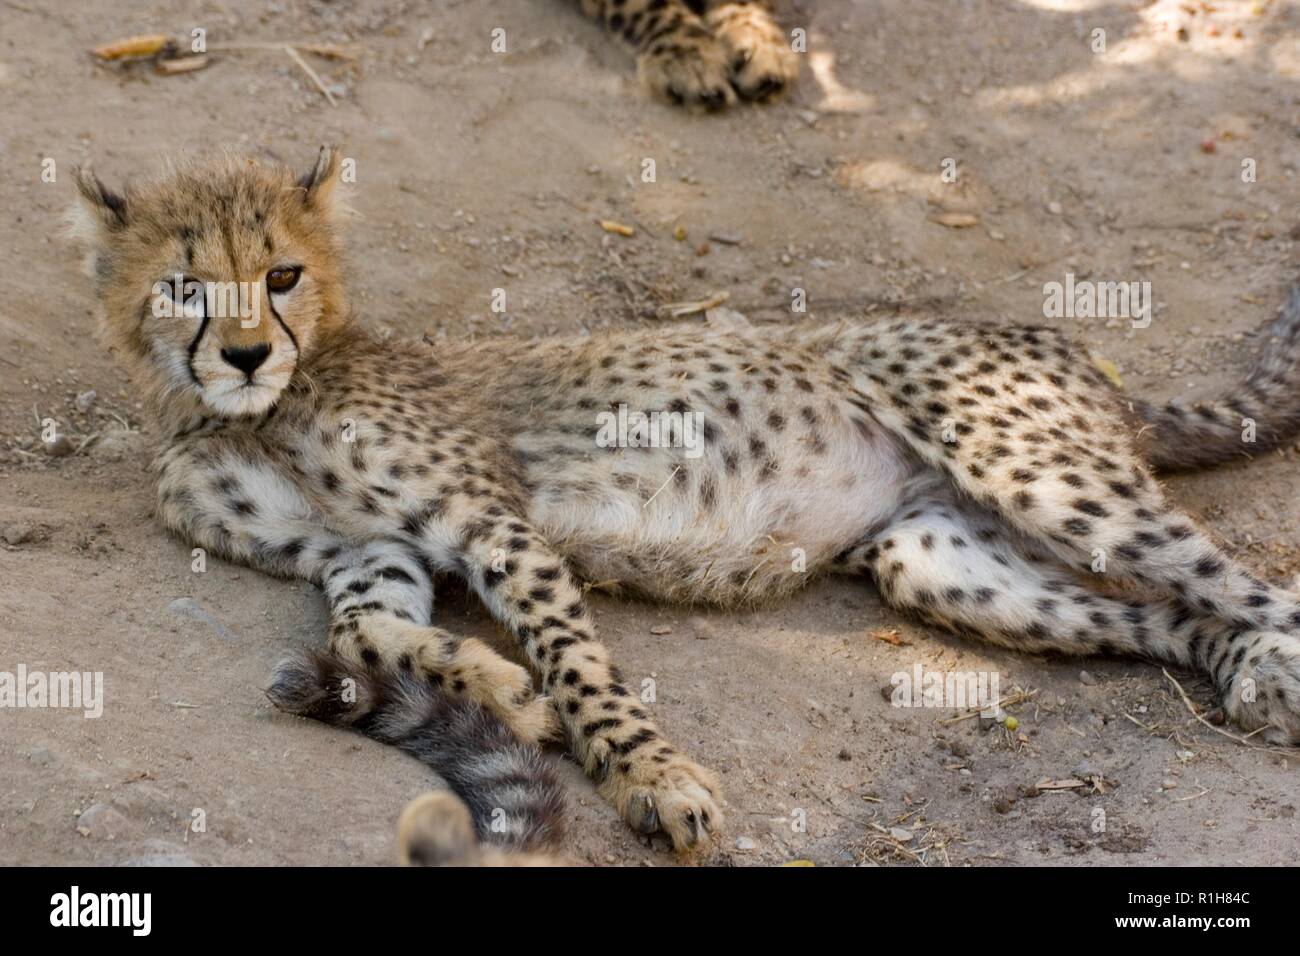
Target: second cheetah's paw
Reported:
[(761, 60), (677, 796), (688, 67)]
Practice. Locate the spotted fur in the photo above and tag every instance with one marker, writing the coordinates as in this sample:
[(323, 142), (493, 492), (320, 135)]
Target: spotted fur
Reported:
[(702, 53), (976, 473)]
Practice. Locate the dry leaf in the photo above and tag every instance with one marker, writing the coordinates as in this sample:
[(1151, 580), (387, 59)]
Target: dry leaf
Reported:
[(956, 220), (889, 635), (145, 45), (187, 65), (1109, 369)]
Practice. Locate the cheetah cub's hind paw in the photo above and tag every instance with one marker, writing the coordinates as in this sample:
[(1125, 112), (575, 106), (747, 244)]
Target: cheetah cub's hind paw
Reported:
[(677, 797), (760, 59), (687, 67), (1264, 691)]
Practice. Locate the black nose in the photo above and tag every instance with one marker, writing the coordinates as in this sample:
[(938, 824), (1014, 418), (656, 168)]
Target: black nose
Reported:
[(247, 360)]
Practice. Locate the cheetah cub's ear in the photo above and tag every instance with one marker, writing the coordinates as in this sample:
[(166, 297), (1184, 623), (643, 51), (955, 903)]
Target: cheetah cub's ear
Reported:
[(320, 185), (98, 216)]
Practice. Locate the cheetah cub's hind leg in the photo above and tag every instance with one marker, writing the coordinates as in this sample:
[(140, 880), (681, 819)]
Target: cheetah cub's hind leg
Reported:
[(957, 566), (1018, 420), (759, 55)]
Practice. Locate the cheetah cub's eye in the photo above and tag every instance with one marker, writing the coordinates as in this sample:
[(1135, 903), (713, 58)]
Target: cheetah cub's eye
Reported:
[(187, 296), (283, 278)]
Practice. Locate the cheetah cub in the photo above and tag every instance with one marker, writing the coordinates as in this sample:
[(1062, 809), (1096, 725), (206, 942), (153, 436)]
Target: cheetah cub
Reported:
[(974, 472)]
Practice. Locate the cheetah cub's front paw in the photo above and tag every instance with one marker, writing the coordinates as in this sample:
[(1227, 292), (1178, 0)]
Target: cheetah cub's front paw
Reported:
[(1264, 691), (761, 62), (688, 67), (677, 796), (506, 689)]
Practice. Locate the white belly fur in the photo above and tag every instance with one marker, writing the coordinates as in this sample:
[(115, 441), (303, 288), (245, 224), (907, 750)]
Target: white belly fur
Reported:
[(758, 539)]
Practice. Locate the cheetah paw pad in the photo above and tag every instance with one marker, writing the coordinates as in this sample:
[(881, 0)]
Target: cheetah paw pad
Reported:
[(678, 798)]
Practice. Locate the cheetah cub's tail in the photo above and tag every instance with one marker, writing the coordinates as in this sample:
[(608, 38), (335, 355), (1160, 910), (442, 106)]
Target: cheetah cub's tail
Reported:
[(510, 791), (1178, 437)]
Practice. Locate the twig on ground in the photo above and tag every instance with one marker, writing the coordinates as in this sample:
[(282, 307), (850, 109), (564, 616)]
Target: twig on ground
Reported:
[(315, 77), (677, 310), (1016, 698), (328, 50)]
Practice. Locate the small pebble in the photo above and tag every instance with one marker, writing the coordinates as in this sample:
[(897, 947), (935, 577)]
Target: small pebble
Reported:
[(101, 822), (160, 854), (17, 532), (59, 448), (702, 628), (190, 608), (745, 843), (1086, 678)]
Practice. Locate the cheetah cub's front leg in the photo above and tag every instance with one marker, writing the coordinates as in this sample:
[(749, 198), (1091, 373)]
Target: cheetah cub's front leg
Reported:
[(526, 585), (380, 594)]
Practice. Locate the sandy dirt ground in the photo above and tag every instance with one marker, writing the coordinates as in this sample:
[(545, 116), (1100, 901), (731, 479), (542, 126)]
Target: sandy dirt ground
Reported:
[(478, 170)]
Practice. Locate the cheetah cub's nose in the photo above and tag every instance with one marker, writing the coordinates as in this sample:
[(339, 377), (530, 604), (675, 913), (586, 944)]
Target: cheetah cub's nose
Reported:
[(247, 360)]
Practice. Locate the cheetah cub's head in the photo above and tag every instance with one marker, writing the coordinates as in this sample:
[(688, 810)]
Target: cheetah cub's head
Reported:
[(217, 278)]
